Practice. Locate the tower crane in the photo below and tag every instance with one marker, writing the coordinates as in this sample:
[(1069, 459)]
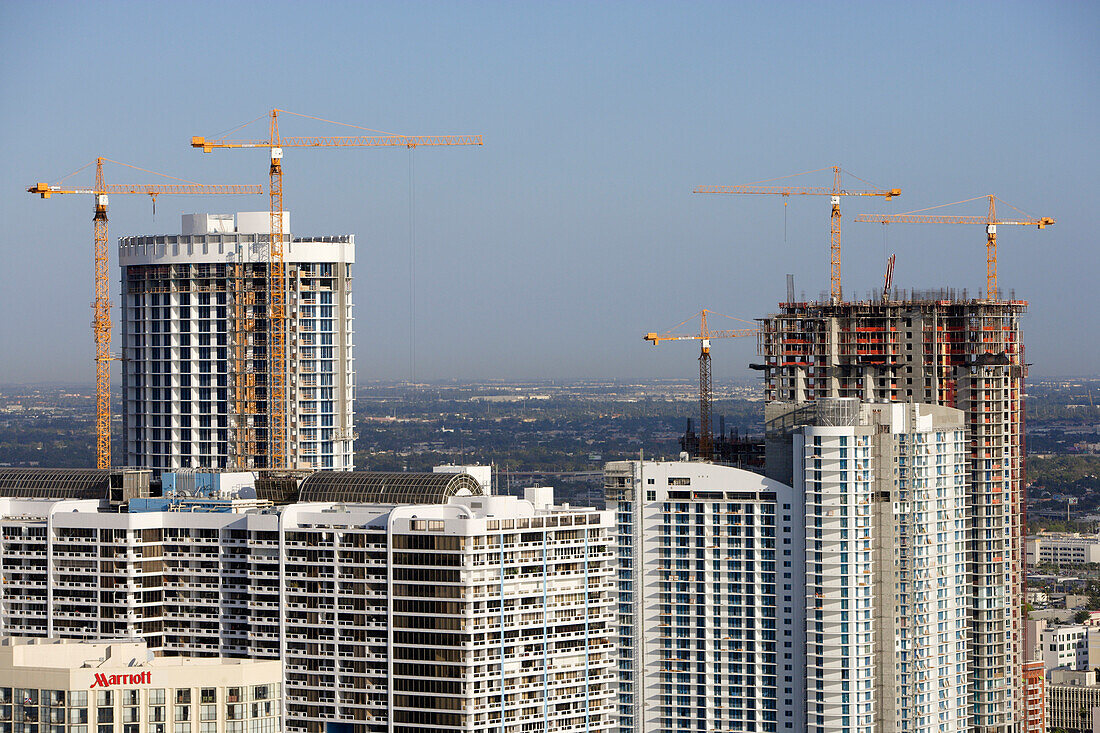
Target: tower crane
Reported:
[(834, 193), (990, 221), (101, 307), (276, 283), (706, 439)]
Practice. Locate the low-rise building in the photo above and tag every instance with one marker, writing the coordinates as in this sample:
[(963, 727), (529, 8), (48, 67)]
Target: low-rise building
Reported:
[(65, 686), (1072, 698), (1063, 548), (1065, 646)]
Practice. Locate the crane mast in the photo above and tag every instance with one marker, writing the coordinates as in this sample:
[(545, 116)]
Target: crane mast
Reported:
[(277, 300), (706, 431), (101, 325)]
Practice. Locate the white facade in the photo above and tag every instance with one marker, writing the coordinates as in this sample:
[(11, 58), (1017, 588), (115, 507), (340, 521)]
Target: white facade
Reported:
[(195, 348), (841, 653), (1066, 646), (884, 489), (470, 615), (710, 600), (59, 686), (482, 474)]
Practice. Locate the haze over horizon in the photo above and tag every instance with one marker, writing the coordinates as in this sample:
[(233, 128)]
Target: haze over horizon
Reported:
[(549, 251)]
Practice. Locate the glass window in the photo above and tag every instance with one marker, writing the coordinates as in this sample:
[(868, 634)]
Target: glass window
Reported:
[(183, 697), (156, 713), (208, 728), (209, 694), (130, 715), (79, 698), (104, 697), (105, 715), (5, 695), (183, 728), (233, 694), (156, 697), (209, 712), (106, 729), (78, 716), (55, 698), (131, 697), (183, 712)]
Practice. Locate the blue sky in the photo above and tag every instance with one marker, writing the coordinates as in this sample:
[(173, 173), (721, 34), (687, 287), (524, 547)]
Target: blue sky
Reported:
[(548, 252)]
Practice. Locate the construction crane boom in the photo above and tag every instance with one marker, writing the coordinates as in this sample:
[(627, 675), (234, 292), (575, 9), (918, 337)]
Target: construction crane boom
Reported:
[(990, 221), (46, 190), (406, 141), (706, 436), (835, 192), (244, 392), (101, 306)]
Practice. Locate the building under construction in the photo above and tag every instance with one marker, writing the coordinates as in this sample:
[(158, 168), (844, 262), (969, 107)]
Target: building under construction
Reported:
[(198, 349), (938, 348)]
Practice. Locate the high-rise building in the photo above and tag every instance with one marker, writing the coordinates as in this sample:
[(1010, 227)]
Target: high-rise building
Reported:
[(942, 350), (197, 348), (710, 598), (398, 603), (828, 596), (883, 489)]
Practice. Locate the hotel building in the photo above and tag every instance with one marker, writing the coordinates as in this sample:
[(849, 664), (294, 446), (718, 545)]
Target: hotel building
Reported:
[(60, 686)]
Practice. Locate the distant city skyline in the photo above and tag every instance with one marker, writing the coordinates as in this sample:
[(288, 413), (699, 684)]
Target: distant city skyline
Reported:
[(548, 252)]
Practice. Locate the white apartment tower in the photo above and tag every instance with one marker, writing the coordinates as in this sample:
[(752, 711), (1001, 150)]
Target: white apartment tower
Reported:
[(398, 603), (885, 496), (710, 599), (196, 347)]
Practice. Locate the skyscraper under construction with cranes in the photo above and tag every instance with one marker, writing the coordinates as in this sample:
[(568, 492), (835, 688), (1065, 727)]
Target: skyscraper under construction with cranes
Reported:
[(939, 348), (197, 348)]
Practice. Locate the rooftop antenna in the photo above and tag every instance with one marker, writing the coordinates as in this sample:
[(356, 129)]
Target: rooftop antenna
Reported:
[(790, 288)]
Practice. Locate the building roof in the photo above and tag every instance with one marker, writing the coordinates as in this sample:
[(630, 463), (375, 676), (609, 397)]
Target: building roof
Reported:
[(55, 483), (375, 487)]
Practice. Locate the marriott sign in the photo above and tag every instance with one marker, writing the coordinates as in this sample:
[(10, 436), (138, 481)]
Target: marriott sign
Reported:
[(107, 680)]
